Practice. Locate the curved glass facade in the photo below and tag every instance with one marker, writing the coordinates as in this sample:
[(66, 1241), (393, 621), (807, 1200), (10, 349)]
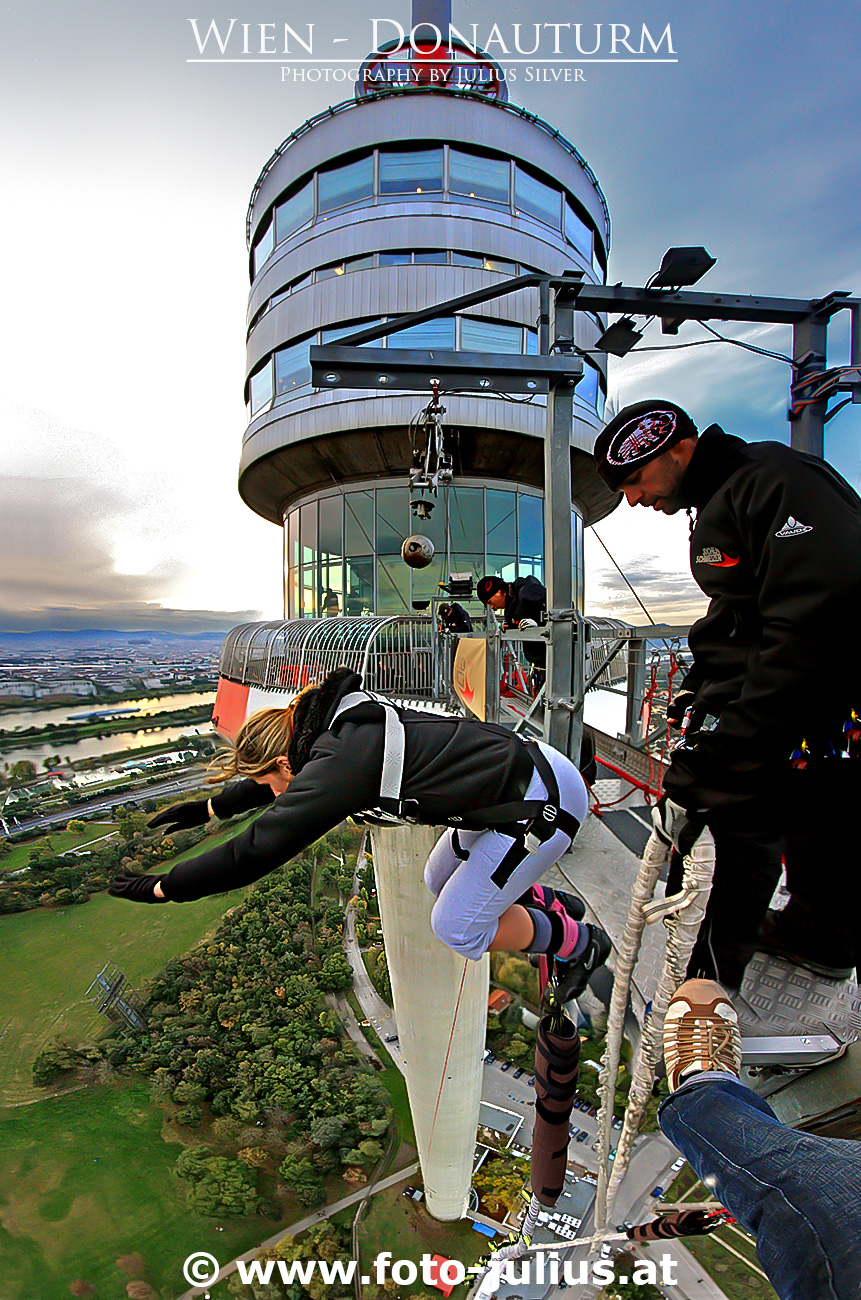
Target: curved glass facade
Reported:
[(289, 368), (439, 171), (343, 548), (394, 257)]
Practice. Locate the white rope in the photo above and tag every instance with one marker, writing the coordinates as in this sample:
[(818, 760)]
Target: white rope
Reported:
[(682, 914), (654, 857)]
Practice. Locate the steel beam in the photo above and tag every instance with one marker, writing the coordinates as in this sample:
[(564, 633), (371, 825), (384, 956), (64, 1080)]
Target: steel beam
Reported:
[(805, 1050), (685, 305), (563, 725), (336, 365), (809, 352)]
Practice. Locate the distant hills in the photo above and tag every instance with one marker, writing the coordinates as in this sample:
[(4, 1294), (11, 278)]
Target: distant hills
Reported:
[(80, 638)]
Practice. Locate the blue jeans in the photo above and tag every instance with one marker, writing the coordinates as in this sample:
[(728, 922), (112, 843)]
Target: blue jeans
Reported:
[(799, 1194)]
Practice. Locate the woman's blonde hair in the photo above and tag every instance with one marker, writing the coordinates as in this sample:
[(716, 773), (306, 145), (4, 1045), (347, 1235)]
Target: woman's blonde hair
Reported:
[(262, 738)]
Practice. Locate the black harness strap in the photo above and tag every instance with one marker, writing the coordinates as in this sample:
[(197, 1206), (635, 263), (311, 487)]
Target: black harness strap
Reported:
[(545, 815), (457, 848), (509, 864)]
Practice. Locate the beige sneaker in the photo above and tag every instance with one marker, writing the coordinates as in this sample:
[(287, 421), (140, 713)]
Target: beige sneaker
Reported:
[(700, 1032)]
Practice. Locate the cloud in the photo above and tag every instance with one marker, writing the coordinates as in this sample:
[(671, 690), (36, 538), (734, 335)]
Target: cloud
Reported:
[(57, 570), (670, 597)]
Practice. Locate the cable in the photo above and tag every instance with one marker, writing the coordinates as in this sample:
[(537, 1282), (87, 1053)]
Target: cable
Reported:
[(626, 582), (749, 347)]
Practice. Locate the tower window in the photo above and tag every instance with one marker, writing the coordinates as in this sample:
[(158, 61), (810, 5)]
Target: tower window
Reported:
[(489, 336), (344, 185), (260, 387), (413, 172), (537, 199), (577, 232), (479, 177), (429, 334), (294, 212), (263, 247)]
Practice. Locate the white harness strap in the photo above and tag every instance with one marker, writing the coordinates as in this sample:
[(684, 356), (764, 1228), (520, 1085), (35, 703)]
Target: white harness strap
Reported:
[(394, 748)]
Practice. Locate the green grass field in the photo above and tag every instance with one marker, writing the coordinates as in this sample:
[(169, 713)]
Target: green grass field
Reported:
[(60, 841), (394, 1223), (50, 956), (85, 1179)]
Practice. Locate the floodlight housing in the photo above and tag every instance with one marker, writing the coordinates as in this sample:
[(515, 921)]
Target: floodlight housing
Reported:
[(681, 267), (619, 338)]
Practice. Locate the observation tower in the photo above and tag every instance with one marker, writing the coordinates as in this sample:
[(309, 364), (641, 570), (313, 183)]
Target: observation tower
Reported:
[(428, 185)]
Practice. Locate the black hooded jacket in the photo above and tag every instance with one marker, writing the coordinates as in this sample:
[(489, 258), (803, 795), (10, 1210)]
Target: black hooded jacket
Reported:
[(452, 767), (777, 549), (527, 598)]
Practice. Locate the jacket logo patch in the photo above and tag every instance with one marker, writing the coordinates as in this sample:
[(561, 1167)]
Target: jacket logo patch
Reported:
[(792, 528), (711, 555)]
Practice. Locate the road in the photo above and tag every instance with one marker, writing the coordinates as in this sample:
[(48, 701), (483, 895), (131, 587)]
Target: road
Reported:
[(179, 785)]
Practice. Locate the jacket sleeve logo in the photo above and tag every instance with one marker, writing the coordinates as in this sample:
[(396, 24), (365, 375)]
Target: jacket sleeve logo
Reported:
[(711, 555), (792, 528)]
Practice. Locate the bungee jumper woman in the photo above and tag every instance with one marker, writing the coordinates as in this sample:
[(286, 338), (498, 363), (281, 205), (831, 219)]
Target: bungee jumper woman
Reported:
[(337, 751)]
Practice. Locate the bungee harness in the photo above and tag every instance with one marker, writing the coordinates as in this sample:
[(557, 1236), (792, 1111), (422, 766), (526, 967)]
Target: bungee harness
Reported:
[(542, 817)]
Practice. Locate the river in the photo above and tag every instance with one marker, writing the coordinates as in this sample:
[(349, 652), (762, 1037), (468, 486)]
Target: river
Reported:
[(62, 712), (94, 746)]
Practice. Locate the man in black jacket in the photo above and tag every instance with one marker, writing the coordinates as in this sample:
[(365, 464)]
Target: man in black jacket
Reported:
[(776, 546), (524, 602)]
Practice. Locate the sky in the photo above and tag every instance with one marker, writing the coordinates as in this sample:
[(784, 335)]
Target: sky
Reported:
[(127, 174)]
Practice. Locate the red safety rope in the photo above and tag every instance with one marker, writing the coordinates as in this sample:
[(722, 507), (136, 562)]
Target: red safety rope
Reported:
[(447, 1052), (599, 805)]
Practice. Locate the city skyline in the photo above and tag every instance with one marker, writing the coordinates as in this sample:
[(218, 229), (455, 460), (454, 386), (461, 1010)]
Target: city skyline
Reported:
[(124, 353)]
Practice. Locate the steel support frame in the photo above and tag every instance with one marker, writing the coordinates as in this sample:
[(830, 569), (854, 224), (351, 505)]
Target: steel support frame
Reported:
[(563, 718), (344, 365), (809, 319)]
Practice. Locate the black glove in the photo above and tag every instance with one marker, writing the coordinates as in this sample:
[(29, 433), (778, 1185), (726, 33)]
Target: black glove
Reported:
[(678, 706), (240, 797), (136, 885), (180, 816), (675, 825)]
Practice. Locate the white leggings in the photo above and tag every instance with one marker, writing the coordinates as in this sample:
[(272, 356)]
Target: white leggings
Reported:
[(469, 902)]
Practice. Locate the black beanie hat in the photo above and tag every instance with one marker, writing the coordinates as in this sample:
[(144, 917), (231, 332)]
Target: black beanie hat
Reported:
[(638, 434), (488, 587)]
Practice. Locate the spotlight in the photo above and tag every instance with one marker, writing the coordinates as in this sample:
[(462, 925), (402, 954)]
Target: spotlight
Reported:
[(682, 266), (621, 336)]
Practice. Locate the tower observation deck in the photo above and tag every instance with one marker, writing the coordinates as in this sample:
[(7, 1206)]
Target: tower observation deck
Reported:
[(415, 192)]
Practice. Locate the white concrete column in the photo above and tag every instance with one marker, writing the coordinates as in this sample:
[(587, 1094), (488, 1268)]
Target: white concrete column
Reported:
[(441, 1012)]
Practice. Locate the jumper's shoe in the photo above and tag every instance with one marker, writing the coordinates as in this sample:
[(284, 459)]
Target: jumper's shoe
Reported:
[(700, 1032), (795, 935), (570, 975)]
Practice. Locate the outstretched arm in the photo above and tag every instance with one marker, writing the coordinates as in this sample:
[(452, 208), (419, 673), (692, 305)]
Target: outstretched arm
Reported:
[(342, 777)]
